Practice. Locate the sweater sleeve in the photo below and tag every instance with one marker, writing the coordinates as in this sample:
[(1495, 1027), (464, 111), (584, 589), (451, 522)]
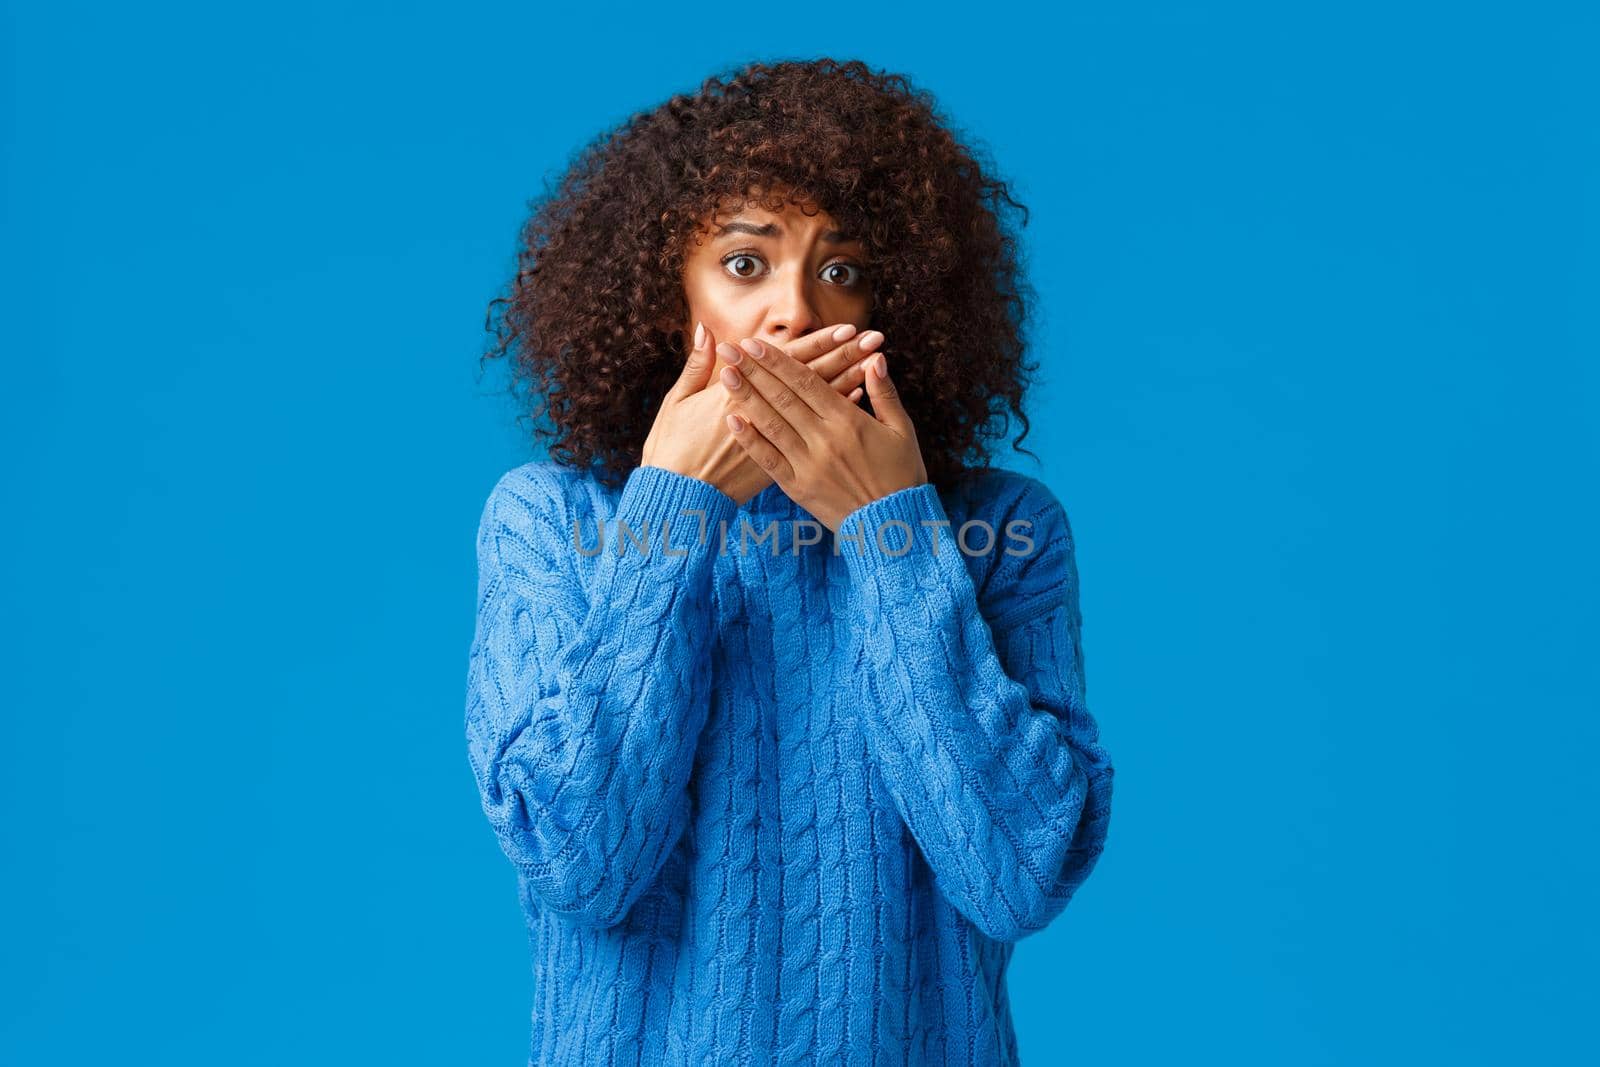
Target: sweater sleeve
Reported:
[(974, 700), (586, 694)]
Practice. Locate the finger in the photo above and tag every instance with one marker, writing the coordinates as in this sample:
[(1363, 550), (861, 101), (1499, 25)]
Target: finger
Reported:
[(793, 389), (849, 378), (760, 450), (886, 402), (772, 423), (819, 342), (696, 371), (848, 357), (856, 394)]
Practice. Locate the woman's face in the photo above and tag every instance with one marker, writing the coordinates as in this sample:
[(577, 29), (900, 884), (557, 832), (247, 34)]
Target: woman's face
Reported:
[(775, 277)]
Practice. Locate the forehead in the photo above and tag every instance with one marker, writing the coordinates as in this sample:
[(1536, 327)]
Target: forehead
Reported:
[(796, 218)]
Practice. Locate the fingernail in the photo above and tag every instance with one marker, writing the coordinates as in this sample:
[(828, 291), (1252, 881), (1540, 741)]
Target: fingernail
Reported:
[(730, 377), (699, 334), (752, 346), (870, 340), (881, 368), (729, 352), (735, 423), (845, 332)]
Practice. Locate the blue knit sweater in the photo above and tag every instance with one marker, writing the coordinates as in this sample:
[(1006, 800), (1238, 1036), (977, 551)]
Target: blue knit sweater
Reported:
[(785, 799)]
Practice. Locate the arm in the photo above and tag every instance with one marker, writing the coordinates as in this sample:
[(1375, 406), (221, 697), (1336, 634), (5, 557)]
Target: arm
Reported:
[(978, 725), (585, 700)]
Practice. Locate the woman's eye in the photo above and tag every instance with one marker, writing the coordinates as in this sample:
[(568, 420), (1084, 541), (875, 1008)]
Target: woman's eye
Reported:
[(742, 265), (851, 274)]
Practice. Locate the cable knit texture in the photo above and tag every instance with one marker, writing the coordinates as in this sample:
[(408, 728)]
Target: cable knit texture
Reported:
[(774, 795)]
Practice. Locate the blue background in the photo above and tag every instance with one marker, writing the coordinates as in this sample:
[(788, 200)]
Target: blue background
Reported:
[(1318, 319)]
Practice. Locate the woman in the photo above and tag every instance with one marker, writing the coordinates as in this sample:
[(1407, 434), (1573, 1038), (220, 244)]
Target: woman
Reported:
[(771, 795)]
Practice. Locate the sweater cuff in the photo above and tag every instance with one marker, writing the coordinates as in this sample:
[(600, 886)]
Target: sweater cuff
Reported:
[(669, 516), (895, 532)]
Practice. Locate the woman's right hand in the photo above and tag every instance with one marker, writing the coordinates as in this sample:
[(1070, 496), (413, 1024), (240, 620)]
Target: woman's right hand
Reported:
[(689, 435)]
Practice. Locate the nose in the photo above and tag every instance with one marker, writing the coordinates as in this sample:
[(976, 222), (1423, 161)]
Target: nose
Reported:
[(791, 314)]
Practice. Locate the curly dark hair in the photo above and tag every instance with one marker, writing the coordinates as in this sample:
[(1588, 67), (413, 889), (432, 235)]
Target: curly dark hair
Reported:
[(600, 260)]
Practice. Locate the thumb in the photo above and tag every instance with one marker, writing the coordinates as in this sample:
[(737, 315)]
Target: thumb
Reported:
[(886, 399), (697, 367)]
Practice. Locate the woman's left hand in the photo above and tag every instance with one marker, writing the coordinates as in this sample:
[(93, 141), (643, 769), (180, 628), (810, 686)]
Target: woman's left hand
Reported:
[(827, 454)]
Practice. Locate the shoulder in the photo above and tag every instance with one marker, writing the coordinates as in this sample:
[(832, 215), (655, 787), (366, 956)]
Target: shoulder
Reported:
[(540, 485), (1004, 498), (1033, 563), (531, 508)]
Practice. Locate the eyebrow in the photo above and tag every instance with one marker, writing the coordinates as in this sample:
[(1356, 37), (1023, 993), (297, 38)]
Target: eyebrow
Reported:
[(771, 229)]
